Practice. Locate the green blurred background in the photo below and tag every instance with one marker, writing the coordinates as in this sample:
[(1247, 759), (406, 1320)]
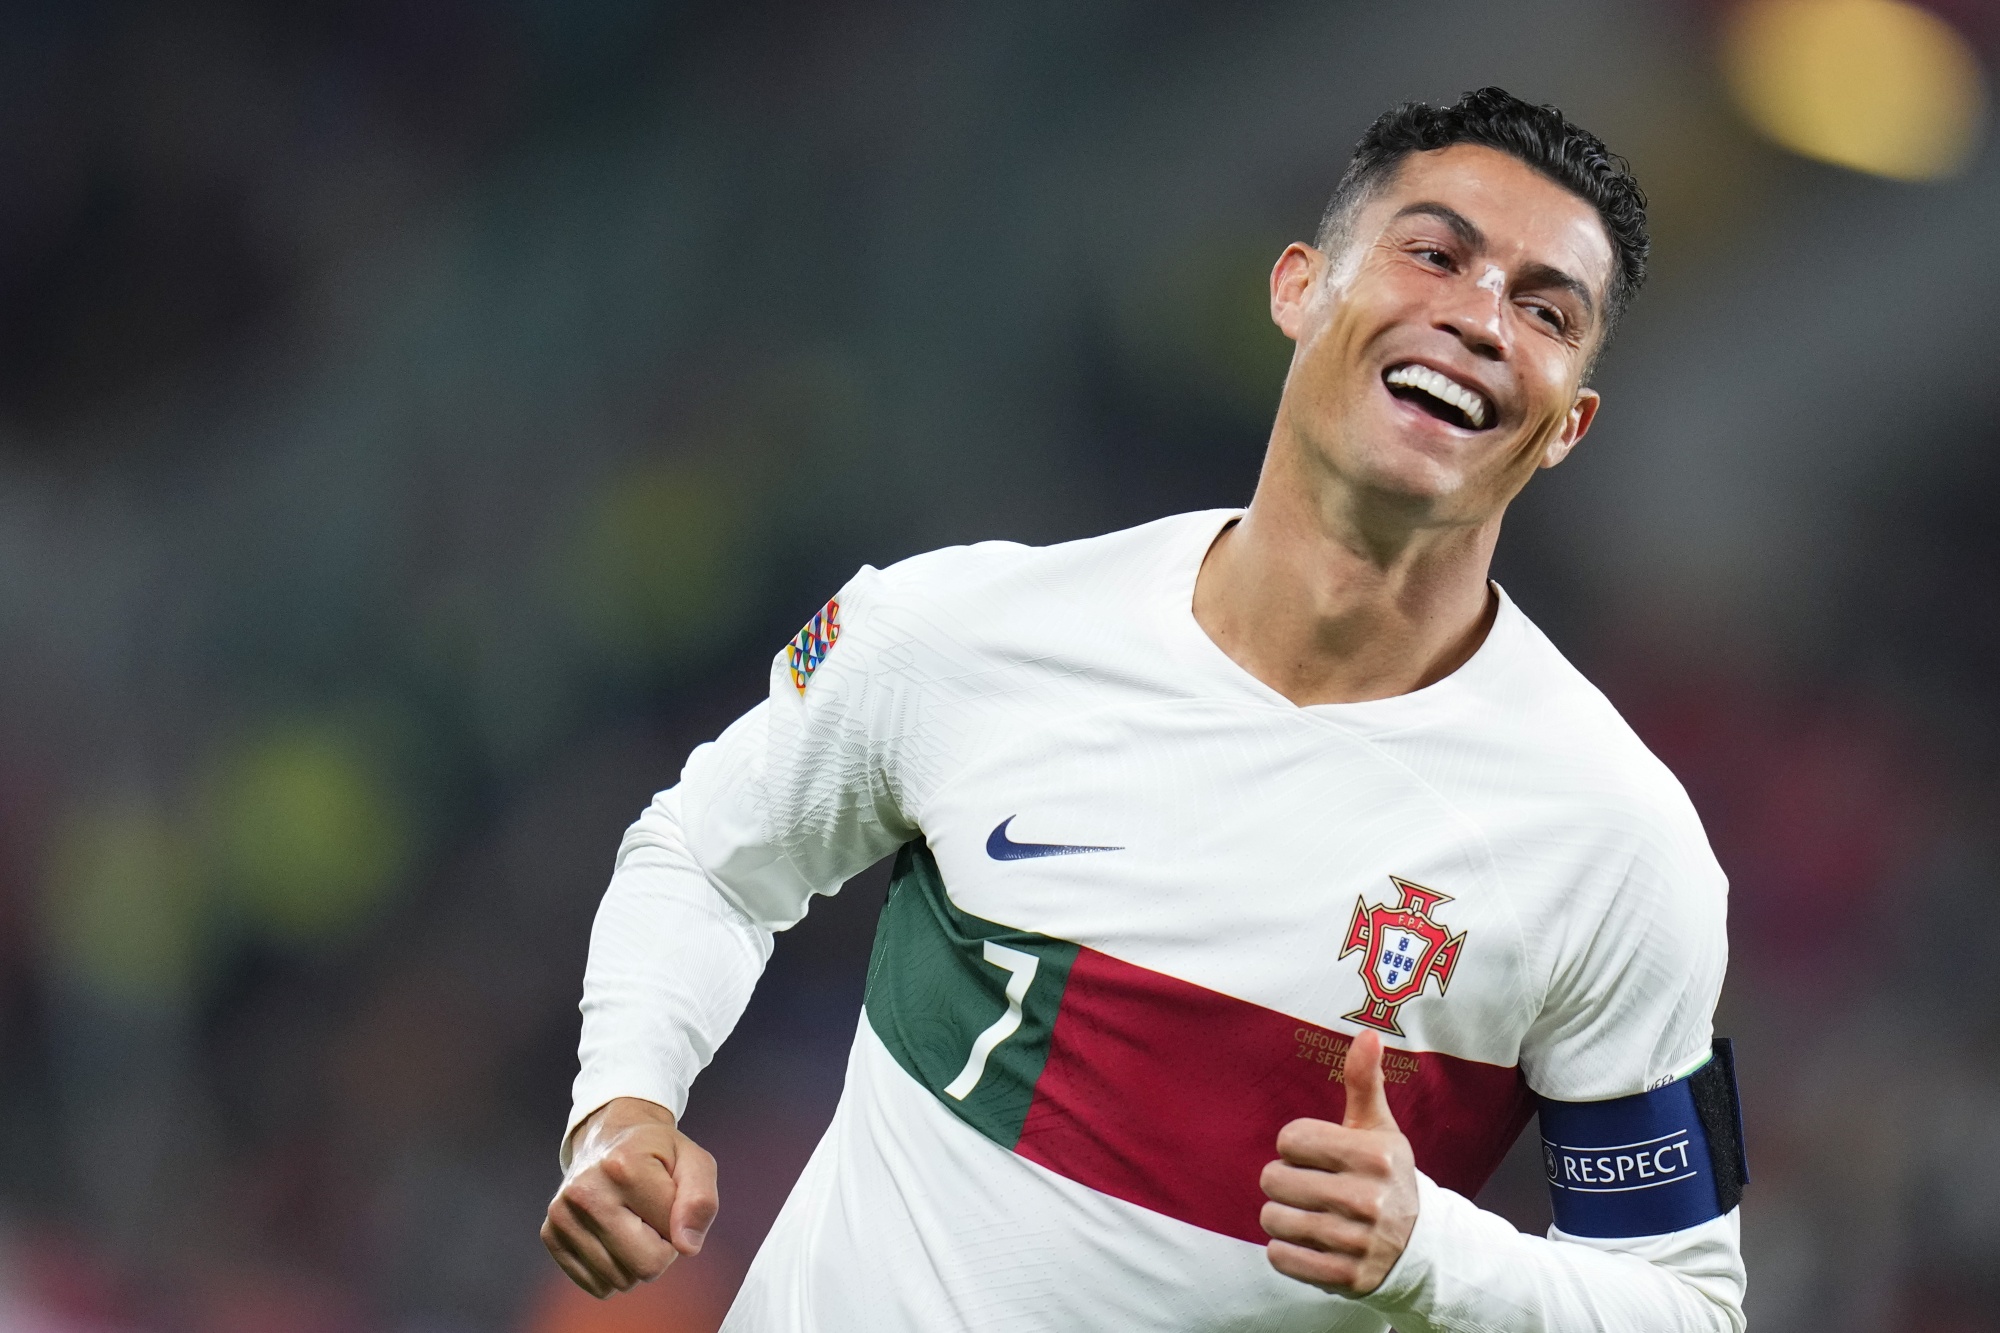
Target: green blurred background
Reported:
[(421, 422)]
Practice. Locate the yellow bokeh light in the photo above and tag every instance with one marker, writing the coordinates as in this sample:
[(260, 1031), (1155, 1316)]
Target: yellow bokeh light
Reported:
[(1874, 85), (658, 566), (122, 907), (308, 836)]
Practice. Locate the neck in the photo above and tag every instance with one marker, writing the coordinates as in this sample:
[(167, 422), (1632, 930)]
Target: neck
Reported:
[(1329, 596)]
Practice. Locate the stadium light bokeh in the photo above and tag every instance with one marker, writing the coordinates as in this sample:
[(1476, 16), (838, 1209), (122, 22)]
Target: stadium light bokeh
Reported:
[(1874, 85)]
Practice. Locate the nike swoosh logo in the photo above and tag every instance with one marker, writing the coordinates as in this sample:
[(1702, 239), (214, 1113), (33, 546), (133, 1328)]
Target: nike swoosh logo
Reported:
[(1003, 848)]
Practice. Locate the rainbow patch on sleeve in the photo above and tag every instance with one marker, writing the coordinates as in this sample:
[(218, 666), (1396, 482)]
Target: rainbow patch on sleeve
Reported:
[(811, 645)]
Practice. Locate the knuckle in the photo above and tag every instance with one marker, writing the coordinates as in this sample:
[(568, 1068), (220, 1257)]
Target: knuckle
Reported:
[(691, 1163), (561, 1221), (577, 1205)]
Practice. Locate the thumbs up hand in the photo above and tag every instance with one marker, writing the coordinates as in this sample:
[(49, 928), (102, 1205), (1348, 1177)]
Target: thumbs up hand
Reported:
[(1343, 1197)]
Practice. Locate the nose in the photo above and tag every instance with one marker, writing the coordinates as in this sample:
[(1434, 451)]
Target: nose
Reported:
[(1474, 314)]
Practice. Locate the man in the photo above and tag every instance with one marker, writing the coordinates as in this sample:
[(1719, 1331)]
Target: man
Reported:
[(1257, 875)]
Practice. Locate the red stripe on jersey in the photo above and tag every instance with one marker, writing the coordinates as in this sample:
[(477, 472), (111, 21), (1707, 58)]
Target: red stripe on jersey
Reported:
[(1165, 1094)]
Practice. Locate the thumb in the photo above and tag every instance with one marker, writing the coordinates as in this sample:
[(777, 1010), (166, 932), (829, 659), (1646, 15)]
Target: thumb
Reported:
[(694, 1198), (1367, 1103)]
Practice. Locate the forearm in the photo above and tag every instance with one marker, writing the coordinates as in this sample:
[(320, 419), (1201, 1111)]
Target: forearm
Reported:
[(1466, 1269), (672, 964)]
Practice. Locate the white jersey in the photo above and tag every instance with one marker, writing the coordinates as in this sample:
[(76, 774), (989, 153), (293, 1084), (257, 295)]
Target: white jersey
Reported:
[(1142, 903)]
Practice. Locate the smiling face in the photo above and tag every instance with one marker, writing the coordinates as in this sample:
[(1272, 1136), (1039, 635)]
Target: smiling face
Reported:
[(1440, 355)]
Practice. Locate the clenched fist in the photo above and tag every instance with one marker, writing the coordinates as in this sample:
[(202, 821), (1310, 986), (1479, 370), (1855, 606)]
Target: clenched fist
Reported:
[(639, 1194), (1343, 1197)]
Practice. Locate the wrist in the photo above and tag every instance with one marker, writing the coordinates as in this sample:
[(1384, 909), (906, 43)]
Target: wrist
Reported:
[(622, 1111), (610, 1120), (1402, 1286)]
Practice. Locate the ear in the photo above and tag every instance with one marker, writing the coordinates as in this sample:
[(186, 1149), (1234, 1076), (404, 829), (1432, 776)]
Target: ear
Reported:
[(1292, 282), (1575, 426)]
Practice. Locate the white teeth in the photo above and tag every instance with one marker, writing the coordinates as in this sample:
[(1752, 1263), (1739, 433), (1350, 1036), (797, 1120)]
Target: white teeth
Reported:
[(1443, 388)]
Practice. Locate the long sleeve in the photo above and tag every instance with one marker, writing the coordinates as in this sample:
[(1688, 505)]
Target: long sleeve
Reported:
[(791, 800), (1467, 1269), (672, 964), (1637, 958)]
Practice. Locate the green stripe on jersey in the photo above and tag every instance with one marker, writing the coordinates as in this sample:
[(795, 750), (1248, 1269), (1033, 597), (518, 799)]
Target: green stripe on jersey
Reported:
[(965, 1005)]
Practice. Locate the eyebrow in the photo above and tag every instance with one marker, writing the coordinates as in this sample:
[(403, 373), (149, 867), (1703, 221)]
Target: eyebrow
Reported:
[(1534, 275), (1547, 275), (1463, 227)]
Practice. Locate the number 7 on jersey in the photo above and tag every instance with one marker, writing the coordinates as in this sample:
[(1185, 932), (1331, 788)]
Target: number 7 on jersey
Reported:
[(1021, 969)]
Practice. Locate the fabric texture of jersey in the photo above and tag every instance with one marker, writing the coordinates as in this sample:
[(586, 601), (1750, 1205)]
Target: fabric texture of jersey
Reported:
[(1142, 903)]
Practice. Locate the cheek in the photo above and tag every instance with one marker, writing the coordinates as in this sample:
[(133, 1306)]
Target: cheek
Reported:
[(1324, 361), (1542, 427), (1549, 391), (1339, 344), (1547, 403)]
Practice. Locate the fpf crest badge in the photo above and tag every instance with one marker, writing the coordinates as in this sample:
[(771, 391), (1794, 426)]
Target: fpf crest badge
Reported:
[(811, 645), (1406, 948)]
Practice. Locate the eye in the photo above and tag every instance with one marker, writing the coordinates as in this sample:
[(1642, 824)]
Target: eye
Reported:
[(1430, 254), (1551, 316)]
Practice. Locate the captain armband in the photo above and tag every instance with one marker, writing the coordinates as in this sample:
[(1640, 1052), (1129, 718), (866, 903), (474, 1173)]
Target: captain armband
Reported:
[(1650, 1163)]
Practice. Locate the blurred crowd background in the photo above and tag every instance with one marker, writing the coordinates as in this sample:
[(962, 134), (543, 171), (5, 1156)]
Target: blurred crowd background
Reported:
[(420, 423)]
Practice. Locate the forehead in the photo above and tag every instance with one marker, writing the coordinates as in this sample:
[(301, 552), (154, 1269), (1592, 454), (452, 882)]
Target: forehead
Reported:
[(1526, 217)]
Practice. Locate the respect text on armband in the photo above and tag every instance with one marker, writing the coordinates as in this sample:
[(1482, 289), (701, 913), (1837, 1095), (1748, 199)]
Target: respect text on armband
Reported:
[(1655, 1162), (1640, 1166)]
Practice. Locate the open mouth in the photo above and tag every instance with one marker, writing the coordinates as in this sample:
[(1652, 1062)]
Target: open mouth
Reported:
[(1440, 395)]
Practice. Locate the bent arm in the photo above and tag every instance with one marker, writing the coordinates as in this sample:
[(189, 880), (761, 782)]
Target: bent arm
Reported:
[(1468, 1269), (1349, 1213), (1637, 957), (793, 798), (672, 964)]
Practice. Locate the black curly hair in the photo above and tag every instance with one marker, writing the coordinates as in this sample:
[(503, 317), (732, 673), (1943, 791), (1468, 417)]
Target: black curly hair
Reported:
[(1541, 136)]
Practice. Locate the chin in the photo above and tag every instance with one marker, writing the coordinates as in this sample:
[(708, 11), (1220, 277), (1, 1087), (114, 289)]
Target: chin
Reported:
[(1409, 474)]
